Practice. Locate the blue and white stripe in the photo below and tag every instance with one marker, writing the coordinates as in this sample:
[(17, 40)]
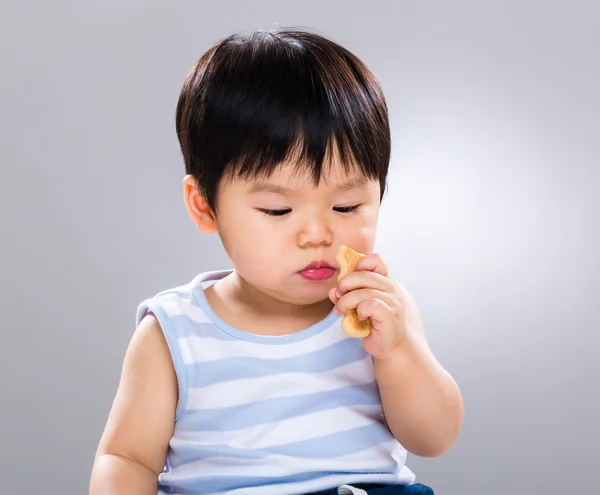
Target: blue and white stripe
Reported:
[(260, 415)]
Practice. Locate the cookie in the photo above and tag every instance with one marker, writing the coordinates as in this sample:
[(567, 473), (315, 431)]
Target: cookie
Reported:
[(351, 325)]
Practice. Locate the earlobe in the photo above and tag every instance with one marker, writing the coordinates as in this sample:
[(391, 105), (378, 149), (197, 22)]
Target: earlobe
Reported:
[(198, 207)]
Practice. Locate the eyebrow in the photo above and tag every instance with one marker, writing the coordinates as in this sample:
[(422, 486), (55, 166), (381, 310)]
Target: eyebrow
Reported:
[(265, 187)]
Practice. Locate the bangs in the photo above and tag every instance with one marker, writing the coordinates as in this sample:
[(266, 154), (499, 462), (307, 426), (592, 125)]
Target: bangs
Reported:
[(258, 101)]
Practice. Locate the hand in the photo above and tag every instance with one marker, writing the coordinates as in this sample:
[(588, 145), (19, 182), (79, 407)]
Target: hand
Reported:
[(375, 295)]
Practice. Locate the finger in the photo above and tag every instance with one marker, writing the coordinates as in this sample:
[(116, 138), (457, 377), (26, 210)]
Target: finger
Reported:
[(376, 309), (352, 299), (333, 296), (365, 280), (372, 263)]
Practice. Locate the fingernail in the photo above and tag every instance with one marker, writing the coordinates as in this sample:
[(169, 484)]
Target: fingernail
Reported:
[(337, 293)]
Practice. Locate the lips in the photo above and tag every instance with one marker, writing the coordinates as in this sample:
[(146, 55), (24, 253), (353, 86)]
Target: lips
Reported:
[(317, 265), (317, 271)]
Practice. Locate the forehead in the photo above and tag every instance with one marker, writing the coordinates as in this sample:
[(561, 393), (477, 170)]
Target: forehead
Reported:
[(289, 179), (332, 175)]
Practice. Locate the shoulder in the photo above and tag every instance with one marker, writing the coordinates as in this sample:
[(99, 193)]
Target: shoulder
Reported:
[(148, 329), (148, 364), (176, 300), (148, 347)]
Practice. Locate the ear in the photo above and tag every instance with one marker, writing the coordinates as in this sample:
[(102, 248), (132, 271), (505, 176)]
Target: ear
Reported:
[(197, 207)]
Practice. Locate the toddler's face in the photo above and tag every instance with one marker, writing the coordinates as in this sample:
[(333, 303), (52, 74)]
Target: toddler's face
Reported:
[(272, 229)]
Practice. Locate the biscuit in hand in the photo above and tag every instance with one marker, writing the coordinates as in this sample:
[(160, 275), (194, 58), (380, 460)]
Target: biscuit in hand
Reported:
[(351, 325)]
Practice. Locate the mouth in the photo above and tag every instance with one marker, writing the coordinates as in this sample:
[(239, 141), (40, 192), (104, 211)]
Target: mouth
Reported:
[(317, 271)]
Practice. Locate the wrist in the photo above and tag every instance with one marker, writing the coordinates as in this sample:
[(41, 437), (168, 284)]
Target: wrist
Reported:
[(406, 349)]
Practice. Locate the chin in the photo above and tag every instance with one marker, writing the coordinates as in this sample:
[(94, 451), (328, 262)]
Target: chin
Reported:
[(311, 302), (315, 295), (301, 296)]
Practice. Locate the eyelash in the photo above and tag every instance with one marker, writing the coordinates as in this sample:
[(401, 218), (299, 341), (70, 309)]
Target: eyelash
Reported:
[(281, 213)]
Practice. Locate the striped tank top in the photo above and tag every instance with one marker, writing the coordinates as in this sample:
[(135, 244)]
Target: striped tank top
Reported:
[(261, 415)]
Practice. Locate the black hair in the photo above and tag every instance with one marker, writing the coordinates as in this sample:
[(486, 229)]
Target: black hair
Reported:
[(259, 99)]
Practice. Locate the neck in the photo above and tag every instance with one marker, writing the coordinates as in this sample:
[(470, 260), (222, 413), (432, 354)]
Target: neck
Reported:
[(255, 301)]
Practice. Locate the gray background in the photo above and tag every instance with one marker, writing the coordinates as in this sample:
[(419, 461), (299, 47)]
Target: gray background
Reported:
[(491, 221)]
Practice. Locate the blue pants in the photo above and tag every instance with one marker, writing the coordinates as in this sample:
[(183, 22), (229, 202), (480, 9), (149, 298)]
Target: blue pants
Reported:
[(416, 489)]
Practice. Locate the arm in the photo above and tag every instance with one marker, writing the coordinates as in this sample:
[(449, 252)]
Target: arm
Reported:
[(421, 401), (133, 447)]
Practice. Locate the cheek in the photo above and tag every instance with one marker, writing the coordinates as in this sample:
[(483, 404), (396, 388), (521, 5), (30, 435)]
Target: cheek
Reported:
[(360, 235), (250, 241), (369, 222)]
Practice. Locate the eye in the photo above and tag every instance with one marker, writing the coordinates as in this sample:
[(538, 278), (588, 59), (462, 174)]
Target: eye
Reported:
[(274, 213), (347, 209)]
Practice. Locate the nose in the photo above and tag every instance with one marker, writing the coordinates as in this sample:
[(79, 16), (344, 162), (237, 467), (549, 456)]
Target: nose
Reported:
[(315, 231)]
